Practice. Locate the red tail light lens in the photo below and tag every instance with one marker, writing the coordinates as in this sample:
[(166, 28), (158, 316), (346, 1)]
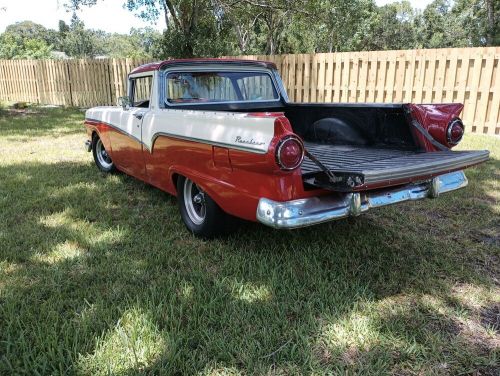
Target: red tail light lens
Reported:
[(454, 132), (289, 153)]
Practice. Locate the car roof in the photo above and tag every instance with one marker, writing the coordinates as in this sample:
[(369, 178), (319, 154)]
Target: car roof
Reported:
[(183, 62)]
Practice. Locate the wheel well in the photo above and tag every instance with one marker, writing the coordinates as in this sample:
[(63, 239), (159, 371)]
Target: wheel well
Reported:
[(175, 177), (94, 135)]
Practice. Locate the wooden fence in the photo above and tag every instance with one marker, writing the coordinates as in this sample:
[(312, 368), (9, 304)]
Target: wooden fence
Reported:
[(469, 75)]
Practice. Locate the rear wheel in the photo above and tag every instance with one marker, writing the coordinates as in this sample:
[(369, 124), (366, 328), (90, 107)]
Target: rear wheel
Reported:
[(201, 215), (101, 157)]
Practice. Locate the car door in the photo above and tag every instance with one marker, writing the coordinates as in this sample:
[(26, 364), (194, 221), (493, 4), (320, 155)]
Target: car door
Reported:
[(126, 141)]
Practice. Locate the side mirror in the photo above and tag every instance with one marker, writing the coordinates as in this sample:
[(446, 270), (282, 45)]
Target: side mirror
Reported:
[(124, 102)]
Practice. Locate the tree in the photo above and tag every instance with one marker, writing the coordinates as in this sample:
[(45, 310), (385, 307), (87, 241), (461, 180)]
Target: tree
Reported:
[(436, 28), (479, 20), (243, 19), (13, 48), (183, 18), (80, 42), (345, 24), (140, 43), (25, 40), (226, 27), (460, 23), (272, 26), (392, 27), (492, 27)]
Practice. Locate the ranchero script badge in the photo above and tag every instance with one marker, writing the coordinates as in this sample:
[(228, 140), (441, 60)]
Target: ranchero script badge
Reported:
[(239, 140)]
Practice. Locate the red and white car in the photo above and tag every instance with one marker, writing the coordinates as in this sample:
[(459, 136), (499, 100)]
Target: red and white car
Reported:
[(222, 136)]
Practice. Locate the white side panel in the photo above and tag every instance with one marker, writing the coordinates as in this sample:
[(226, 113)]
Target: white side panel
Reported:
[(116, 117), (232, 130), (110, 114)]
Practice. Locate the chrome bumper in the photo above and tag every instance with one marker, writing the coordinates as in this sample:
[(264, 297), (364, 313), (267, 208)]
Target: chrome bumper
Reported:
[(314, 210), (88, 145)]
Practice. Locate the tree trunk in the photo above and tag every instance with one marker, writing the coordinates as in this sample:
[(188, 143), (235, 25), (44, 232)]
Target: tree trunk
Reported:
[(491, 22), (165, 13)]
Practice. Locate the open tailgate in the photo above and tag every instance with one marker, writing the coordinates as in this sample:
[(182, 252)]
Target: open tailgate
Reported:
[(357, 168)]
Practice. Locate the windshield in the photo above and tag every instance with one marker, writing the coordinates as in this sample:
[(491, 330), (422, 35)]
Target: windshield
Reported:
[(219, 87)]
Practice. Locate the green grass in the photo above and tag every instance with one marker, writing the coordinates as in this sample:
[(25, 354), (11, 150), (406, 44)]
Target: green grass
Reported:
[(99, 276)]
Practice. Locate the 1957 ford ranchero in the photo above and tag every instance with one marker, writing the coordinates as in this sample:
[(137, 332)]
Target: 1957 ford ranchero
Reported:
[(222, 136)]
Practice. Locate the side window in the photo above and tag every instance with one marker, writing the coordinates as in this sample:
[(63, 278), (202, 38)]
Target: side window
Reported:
[(140, 91)]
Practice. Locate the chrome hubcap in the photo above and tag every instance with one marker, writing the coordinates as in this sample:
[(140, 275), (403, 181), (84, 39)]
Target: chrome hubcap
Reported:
[(194, 200), (102, 155)]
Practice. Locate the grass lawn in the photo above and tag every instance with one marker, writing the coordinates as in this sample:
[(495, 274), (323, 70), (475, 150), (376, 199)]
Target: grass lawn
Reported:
[(99, 276)]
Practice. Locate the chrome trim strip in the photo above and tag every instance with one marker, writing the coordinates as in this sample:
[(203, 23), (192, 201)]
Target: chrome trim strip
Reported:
[(403, 172), (428, 136), (193, 139), (116, 128), (208, 142), (279, 82), (165, 104), (314, 210)]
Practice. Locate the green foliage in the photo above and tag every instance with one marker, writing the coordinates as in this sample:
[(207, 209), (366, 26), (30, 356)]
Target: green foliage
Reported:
[(28, 40), (345, 24), (242, 27), (140, 43), (27, 30), (393, 27), (19, 43), (221, 27), (80, 42), (479, 21)]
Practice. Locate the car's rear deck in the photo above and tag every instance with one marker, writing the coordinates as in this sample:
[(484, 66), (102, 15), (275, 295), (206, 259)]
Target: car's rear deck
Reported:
[(378, 165)]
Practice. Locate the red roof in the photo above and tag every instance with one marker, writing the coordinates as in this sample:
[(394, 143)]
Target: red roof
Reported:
[(161, 64)]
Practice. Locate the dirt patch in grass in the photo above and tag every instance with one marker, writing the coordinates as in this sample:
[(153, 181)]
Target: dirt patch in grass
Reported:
[(490, 317), (475, 335), (486, 371), (14, 112)]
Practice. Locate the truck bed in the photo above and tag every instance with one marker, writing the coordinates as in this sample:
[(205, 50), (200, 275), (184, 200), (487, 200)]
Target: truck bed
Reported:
[(383, 165)]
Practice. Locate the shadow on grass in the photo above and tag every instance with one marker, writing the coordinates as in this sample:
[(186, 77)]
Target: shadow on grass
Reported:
[(98, 274), (39, 121)]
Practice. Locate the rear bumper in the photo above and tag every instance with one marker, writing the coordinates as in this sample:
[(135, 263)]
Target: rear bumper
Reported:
[(314, 210)]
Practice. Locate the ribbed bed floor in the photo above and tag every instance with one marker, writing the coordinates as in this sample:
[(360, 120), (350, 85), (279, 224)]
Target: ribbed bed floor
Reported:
[(382, 164)]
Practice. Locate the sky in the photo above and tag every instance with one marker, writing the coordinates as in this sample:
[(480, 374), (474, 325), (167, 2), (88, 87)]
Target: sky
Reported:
[(107, 15)]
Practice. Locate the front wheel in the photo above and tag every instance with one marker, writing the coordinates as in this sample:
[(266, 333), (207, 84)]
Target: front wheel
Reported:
[(101, 157), (201, 215)]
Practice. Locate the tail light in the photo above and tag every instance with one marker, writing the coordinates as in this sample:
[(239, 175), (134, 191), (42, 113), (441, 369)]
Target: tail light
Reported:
[(289, 153), (441, 121), (454, 132)]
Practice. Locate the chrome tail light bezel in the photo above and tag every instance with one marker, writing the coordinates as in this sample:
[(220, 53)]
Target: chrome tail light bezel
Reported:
[(449, 130), (280, 146)]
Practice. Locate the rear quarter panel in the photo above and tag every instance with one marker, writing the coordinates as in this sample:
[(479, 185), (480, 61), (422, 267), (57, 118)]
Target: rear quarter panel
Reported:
[(230, 155)]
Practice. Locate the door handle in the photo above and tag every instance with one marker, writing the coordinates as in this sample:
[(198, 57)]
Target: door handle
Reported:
[(139, 116)]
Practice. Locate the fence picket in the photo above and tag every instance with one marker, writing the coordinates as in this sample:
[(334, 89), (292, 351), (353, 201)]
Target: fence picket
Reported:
[(493, 122), (329, 77)]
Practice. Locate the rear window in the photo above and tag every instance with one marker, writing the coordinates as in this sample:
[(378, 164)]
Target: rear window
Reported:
[(219, 87)]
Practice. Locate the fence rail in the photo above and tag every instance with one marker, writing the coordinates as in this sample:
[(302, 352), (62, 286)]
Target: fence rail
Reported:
[(467, 75)]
